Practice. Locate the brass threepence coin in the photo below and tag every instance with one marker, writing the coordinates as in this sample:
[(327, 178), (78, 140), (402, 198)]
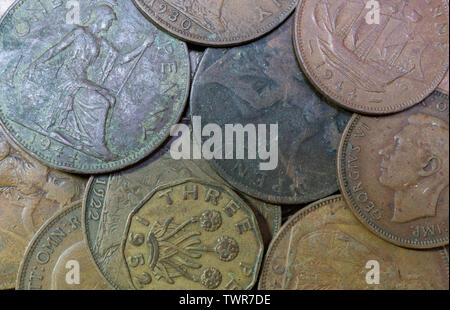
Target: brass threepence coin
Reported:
[(269, 216), (261, 85), (110, 199), (30, 193), (374, 58), (57, 258), (192, 235), (325, 247), (90, 95), (217, 22), (394, 173)]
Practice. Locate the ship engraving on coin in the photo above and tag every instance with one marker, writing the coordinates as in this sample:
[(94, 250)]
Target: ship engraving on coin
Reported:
[(57, 243), (30, 193), (80, 85), (261, 83), (369, 67), (217, 22), (393, 171), (167, 243), (325, 247)]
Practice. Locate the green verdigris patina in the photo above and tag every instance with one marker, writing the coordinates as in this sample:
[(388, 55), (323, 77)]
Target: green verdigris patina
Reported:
[(93, 95)]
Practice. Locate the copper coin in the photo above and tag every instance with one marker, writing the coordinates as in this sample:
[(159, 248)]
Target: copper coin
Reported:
[(261, 83), (373, 63), (91, 95), (217, 22), (58, 259), (325, 247), (394, 173), (30, 193)]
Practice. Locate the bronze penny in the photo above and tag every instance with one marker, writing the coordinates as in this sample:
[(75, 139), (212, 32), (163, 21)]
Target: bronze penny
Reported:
[(261, 84), (373, 65), (217, 22), (192, 235), (91, 95), (325, 247), (58, 259), (394, 173), (30, 193)]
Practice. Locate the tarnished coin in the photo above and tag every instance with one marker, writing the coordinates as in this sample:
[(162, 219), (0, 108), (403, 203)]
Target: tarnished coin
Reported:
[(260, 84), (93, 95), (192, 235), (444, 84), (110, 199), (30, 193), (394, 173), (269, 216), (195, 55), (217, 22), (377, 58), (58, 259), (325, 247)]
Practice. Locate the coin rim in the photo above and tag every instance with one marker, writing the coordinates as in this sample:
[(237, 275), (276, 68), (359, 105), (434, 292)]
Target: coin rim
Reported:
[(286, 228), (195, 39), (378, 230), (26, 260), (341, 100), (241, 186), (103, 167)]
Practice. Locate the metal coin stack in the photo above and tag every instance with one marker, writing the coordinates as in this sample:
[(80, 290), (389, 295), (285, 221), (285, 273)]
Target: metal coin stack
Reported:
[(97, 97)]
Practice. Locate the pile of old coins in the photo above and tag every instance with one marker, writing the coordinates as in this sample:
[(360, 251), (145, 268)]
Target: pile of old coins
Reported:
[(115, 172)]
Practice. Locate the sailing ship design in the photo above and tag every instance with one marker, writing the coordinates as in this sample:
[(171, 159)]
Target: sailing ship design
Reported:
[(368, 55)]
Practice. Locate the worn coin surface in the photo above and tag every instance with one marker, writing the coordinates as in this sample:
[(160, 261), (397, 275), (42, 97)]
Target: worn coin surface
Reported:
[(217, 22), (93, 95), (58, 259), (30, 193), (373, 64), (261, 83), (394, 173), (269, 216), (195, 55), (192, 235), (109, 200), (325, 247), (443, 87)]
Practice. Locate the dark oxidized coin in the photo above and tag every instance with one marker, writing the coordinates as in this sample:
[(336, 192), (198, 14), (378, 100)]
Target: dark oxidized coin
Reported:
[(394, 173), (217, 22), (89, 95), (261, 83)]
